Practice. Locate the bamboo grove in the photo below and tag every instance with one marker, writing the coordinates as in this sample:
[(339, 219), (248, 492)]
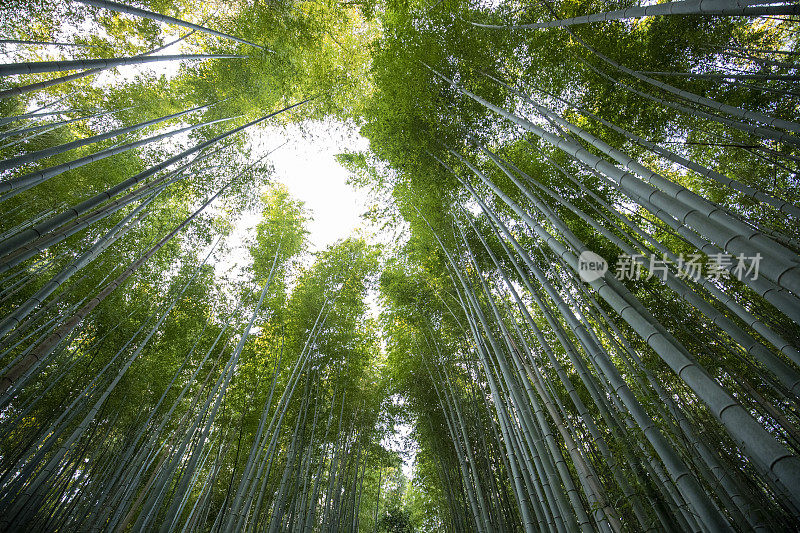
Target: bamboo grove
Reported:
[(588, 311)]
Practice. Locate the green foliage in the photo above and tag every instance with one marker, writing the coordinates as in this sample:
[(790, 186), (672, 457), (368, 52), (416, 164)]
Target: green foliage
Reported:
[(477, 340), (396, 520)]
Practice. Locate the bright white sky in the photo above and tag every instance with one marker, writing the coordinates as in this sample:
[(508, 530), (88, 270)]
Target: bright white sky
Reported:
[(306, 165)]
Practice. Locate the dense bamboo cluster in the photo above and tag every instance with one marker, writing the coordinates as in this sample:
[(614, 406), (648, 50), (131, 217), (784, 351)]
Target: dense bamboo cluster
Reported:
[(592, 322), (641, 397), (177, 414)]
